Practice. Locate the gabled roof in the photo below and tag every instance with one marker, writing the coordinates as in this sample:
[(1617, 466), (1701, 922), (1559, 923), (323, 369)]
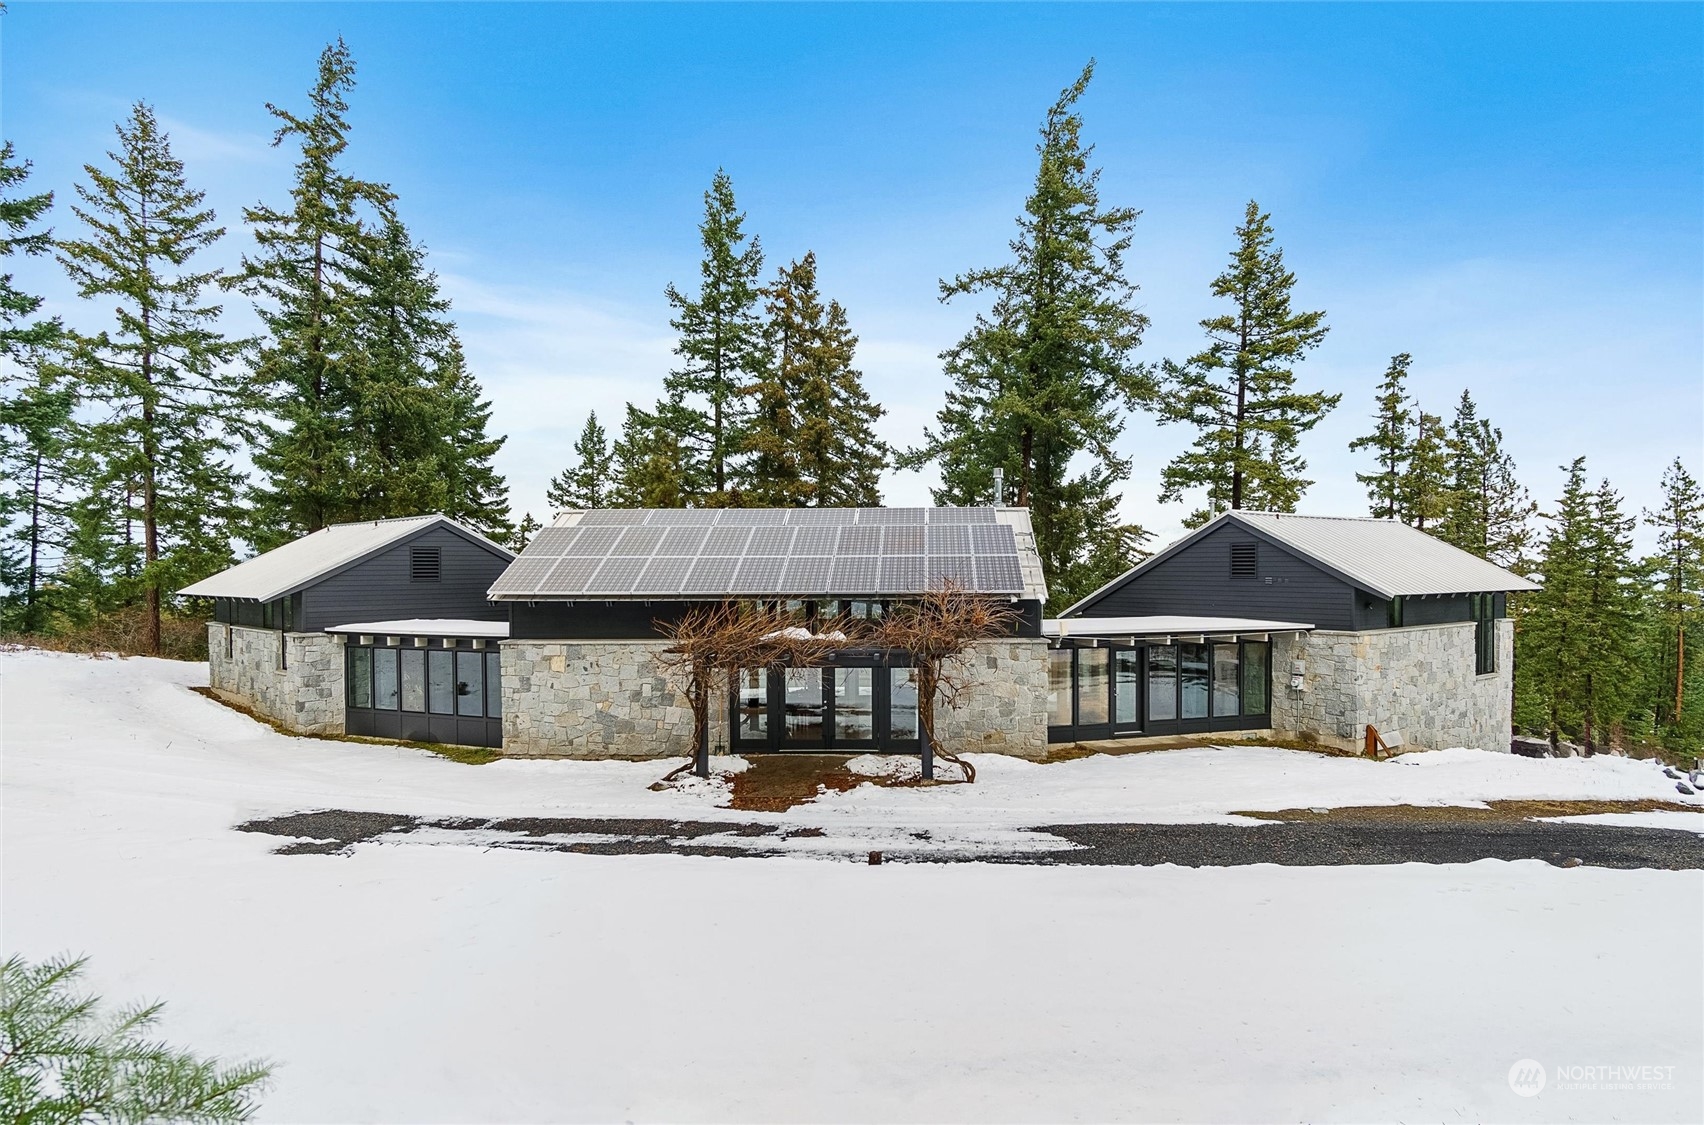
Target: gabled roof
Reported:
[(660, 554), (1383, 557), (320, 554)]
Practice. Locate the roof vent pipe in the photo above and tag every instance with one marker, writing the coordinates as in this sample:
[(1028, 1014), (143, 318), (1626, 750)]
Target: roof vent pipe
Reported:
[(999, 488)]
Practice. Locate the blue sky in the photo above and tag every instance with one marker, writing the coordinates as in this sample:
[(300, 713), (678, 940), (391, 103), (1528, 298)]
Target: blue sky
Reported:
[(1510, 193)]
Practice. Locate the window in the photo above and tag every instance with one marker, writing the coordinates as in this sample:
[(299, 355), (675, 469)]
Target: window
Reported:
[(266, 614), (1059, 687), (384, 679), (1483, 609), (425, 564), (1226, 681), (413, 679), (493, 685), (441, 682), (754, 703), (854, 704), (360, 677), (1396, 612), (1256, 658), (902, 705), (1245, 560), (470, 683), (1195, 678), (1094, 686), (1162, 682)]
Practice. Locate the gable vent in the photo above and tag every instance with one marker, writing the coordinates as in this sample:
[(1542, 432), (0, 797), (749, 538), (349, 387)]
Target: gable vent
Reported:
[(425, 564), (1245, 560)]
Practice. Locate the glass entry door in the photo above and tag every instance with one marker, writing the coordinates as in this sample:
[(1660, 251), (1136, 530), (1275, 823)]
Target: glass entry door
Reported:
[(848, 707), (1126, 690)]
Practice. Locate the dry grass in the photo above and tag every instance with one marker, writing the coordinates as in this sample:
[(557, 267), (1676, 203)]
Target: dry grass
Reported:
[(778, 782), (1495, 811), (1070, 752), (466, 755), (122, 632)]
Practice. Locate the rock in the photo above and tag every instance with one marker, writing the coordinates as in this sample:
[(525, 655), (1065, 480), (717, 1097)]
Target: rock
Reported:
[(1684, 789), (1573, 861), (1567, 750), (1529, 747), (1671, 773)]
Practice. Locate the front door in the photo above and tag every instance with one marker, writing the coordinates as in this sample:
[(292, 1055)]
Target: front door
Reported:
[(847, 707)]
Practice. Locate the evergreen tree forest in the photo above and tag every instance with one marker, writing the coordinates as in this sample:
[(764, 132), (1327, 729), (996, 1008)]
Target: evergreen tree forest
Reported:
[(144, 444)]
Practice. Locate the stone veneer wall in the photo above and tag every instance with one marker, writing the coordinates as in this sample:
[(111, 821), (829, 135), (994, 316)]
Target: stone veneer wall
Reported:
[(306, 695), (1004, 710), (608, 699), (1418, 681)]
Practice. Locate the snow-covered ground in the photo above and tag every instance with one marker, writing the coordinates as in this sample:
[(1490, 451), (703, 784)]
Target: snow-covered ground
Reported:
[(409, 982)]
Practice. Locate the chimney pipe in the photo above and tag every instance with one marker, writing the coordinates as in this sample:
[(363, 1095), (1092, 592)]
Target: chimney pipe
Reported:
[(999, 488)]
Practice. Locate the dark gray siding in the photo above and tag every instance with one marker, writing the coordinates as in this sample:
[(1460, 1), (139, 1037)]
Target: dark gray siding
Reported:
[(379, 589), (555, 621), (1197, 581), (1373, 612)]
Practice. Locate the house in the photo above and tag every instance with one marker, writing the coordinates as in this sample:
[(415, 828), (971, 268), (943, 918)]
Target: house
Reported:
[(381, 628), (1398, 630), (1257, 623), (587, 595)]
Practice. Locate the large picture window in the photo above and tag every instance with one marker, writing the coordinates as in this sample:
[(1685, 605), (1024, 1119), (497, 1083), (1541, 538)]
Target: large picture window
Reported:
[(1483, 608)]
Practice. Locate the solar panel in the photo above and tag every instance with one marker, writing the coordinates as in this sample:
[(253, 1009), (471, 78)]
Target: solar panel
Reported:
[(663, 576), (614, 517), (770, 541), (815, 540), (616, 576), (805, 575), (682, 540), (569, 576), (638, 541), (854, 575), (709, 576), (902, 540), (758, 574), (995, 540), (552, 542), (522, 575), (949, 540), (818, 517), (961, 515), (859, 541), (949, 568), (901, 574), (726, 541), (751, 517), (890, 515), (684, 517), (999, 574), (593, 541)]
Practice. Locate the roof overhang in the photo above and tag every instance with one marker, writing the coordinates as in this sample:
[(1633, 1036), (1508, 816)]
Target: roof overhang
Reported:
[(1168, 626), (426, 627)]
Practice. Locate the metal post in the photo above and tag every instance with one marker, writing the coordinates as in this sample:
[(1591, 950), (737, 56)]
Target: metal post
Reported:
[(928, 756), (701, 752)]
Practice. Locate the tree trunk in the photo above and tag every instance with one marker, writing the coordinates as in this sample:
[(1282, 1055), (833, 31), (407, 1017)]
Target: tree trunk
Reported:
[(150, 521), (30, 623)]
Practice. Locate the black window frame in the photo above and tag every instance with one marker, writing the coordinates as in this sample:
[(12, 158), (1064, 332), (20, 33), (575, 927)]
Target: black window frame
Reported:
[(1483, 609)]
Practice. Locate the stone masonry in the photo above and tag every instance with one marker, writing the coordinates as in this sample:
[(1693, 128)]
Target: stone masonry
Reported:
[(305, 695), (1004, 710), (1417, 683), (609, 699)]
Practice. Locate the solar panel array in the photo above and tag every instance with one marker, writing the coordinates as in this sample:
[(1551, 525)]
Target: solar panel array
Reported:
[(762, 552)]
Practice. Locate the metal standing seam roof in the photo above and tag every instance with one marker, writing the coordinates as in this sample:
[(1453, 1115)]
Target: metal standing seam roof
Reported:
[(301, 562), (640, 554), (1383, 557)]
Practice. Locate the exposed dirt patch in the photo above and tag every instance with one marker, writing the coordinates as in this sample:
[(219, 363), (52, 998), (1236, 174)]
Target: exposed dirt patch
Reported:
[(1496, 811), (778, 782)]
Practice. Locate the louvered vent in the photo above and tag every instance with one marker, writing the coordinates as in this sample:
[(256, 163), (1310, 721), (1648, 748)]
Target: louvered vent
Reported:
[(425, 564), (1245, 560)]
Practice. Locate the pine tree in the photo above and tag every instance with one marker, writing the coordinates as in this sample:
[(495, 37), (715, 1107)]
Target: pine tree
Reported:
[(37, 440), (1424, 490), (1389, 441), (522, 533), (720, 347), (1608, 680), (810, 436), (1489, 512), (470, 488), (587, 483), (1679, 523), (63, 1059), (1239, 393), (162, 371), (1552, 638), (19, 336), (309, 304), (648, 464), (1041, 380)]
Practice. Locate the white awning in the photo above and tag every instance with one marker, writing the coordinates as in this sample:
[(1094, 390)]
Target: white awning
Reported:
[(428, 627), (1063, 627)]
